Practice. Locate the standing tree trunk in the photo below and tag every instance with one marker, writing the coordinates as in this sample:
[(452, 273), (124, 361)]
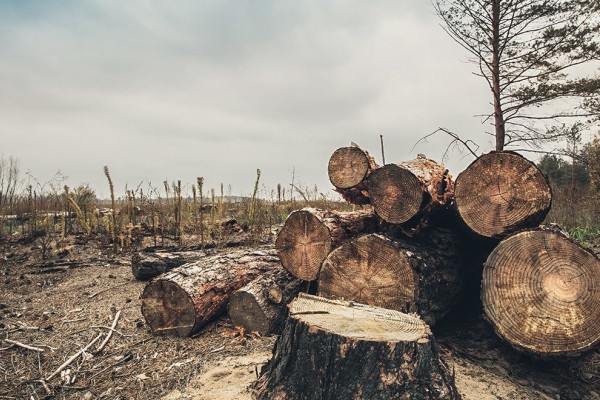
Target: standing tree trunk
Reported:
[(501, 193), (393, 274), (540, 291), (185, 299), (309, 234), (348, 169), (331, 350), (412, 189), (261, 305)]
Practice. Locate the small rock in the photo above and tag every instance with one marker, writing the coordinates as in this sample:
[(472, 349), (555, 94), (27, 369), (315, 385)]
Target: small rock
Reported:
[(111, 276), (88, 396), (586, 376), (594, 395)]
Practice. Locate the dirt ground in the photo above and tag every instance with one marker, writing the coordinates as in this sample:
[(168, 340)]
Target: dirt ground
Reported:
[(61, 304)]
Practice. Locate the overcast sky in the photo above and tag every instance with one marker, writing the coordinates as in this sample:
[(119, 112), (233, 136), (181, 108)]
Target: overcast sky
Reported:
[(178, 89)]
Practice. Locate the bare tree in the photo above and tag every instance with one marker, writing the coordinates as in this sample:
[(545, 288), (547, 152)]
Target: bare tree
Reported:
[(534, 55)]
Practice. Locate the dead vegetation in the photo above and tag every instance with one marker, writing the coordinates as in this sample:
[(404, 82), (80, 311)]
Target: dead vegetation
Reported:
[(60, 304)]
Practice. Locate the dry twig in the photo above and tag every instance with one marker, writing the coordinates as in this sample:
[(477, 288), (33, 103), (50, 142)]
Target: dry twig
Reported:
[(25, 346), (73, 358), (110, 332)]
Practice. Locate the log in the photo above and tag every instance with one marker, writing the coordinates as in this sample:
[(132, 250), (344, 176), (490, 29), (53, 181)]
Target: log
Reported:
[(145, 266), (501, 193), (185, 299), (348, 170), (401, 192), (540, 291), (394, 274), (332, 350), (261, 305), (309, 234)]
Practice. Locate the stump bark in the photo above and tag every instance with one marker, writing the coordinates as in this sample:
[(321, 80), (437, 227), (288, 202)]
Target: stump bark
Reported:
[(331, 350), (395, 274), (261, 305), (348, 169), (185, 299), (540, 291), (402, 192), (309, 234), (501, 193)]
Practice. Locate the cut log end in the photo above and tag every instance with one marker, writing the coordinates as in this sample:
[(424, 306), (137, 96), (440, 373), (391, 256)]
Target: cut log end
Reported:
[(396, 193), (371, 270), (341, 350), (348, 166), (501, 193), (540, 292), (302, 244), (246, 312), (168, 309)]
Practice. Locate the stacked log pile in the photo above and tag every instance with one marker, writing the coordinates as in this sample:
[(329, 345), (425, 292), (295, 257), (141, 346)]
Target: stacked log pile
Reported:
[(413, 247), (409, 249)]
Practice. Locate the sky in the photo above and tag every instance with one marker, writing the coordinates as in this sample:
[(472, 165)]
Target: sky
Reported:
[(174, 90)]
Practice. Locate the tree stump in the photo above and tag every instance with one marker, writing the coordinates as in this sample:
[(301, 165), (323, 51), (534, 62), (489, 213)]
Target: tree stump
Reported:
[(332, 350), (185, 299), (540, 291), (501, 193), (308, 235), (348, 169), (404, 191), (394, 274), (261, 305)]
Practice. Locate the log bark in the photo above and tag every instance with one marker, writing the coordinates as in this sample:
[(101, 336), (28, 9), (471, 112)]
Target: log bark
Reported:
[(348, 170), (145, 265), (403, 192), (540, 292), (185, 299), (331, 350), (501, 193), (261, 305), (395, 274), (308, 235)]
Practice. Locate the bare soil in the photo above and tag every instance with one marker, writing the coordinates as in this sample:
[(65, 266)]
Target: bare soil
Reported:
[(60, 304)]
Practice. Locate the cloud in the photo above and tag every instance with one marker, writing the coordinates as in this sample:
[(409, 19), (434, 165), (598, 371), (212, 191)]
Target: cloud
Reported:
[(219, 88)]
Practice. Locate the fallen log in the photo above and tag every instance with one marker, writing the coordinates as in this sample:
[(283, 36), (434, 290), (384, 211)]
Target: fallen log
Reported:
[(394, 274), (501, 193), (185, 299), (404, 191), (332, 350), (261, 305), (540, 292), (308, 235), (348, 169), (145, 265)]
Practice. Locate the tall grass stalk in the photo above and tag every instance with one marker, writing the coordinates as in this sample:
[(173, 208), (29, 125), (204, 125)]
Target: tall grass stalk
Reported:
[(114, 208), (78, 213), (200, 181)]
